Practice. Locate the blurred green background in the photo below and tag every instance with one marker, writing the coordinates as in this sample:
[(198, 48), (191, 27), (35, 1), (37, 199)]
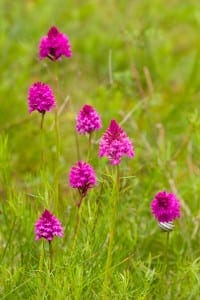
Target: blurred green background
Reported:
[(161, 36), (135, 61)]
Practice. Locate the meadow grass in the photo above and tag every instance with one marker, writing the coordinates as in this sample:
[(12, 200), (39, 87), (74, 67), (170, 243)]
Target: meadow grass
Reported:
[(136, 62)]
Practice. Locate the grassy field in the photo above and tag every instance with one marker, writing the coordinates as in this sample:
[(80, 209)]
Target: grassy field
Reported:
[(134, 61)]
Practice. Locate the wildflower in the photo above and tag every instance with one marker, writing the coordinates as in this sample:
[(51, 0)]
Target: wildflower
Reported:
[(115, 143), (54, 45), (82, 176), (88, 120), (165, 207), (40, 98), (48, 226)]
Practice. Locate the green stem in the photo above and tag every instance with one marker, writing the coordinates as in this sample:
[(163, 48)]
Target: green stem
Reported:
[(42, 120), (77, 146), (42, 140), (114, 205), (166, 249), (117, 180), (57, 129), (9, 239), (89, 146), (57, 133), (41, 260), (56, 179), (40, 268), (77, 225), (50, 256)]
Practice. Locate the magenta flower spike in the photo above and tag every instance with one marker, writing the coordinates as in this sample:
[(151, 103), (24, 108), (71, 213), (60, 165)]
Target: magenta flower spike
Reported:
[(40, 98), (82, 177), (165, 207), (54, 45), (115, 143), (48, 226), (88, 120)]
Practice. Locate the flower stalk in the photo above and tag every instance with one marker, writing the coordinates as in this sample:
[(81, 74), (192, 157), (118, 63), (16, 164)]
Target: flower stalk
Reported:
[(165, 207), (114, 205), (82, 177), (78, 221), (50, 256), (166, 248), (89, 146), (42, 120)]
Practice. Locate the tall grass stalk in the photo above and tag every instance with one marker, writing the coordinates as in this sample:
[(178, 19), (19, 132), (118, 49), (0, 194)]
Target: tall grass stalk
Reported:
[(77, 224), (42, 143), (42, 120), (9, 240), (41, 258), (114, 199), (57, 135), (56, 180), (50, 256), (77, 146), (89, 146), (166, 249)]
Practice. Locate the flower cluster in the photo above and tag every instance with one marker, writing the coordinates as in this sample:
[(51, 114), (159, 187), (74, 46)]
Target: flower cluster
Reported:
[(48, 226), (82, 176), (88, 120), (115, 143), (40, 97), (54, 45), (165, 207)]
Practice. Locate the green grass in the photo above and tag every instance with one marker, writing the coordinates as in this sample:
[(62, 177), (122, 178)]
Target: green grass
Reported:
[(136, 62)]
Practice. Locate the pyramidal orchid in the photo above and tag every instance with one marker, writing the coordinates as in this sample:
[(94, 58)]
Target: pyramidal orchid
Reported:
[(88, 120), (165, 207), (115, 144), (54, 45), (82, 177), (40, 98), (47, 227)]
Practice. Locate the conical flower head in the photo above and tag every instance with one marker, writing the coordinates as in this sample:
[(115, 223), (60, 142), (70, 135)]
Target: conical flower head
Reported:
[(48, 226), (115, 143), (165, 207), (88, 120), (54, 45), (40, 97), (82, 177)]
